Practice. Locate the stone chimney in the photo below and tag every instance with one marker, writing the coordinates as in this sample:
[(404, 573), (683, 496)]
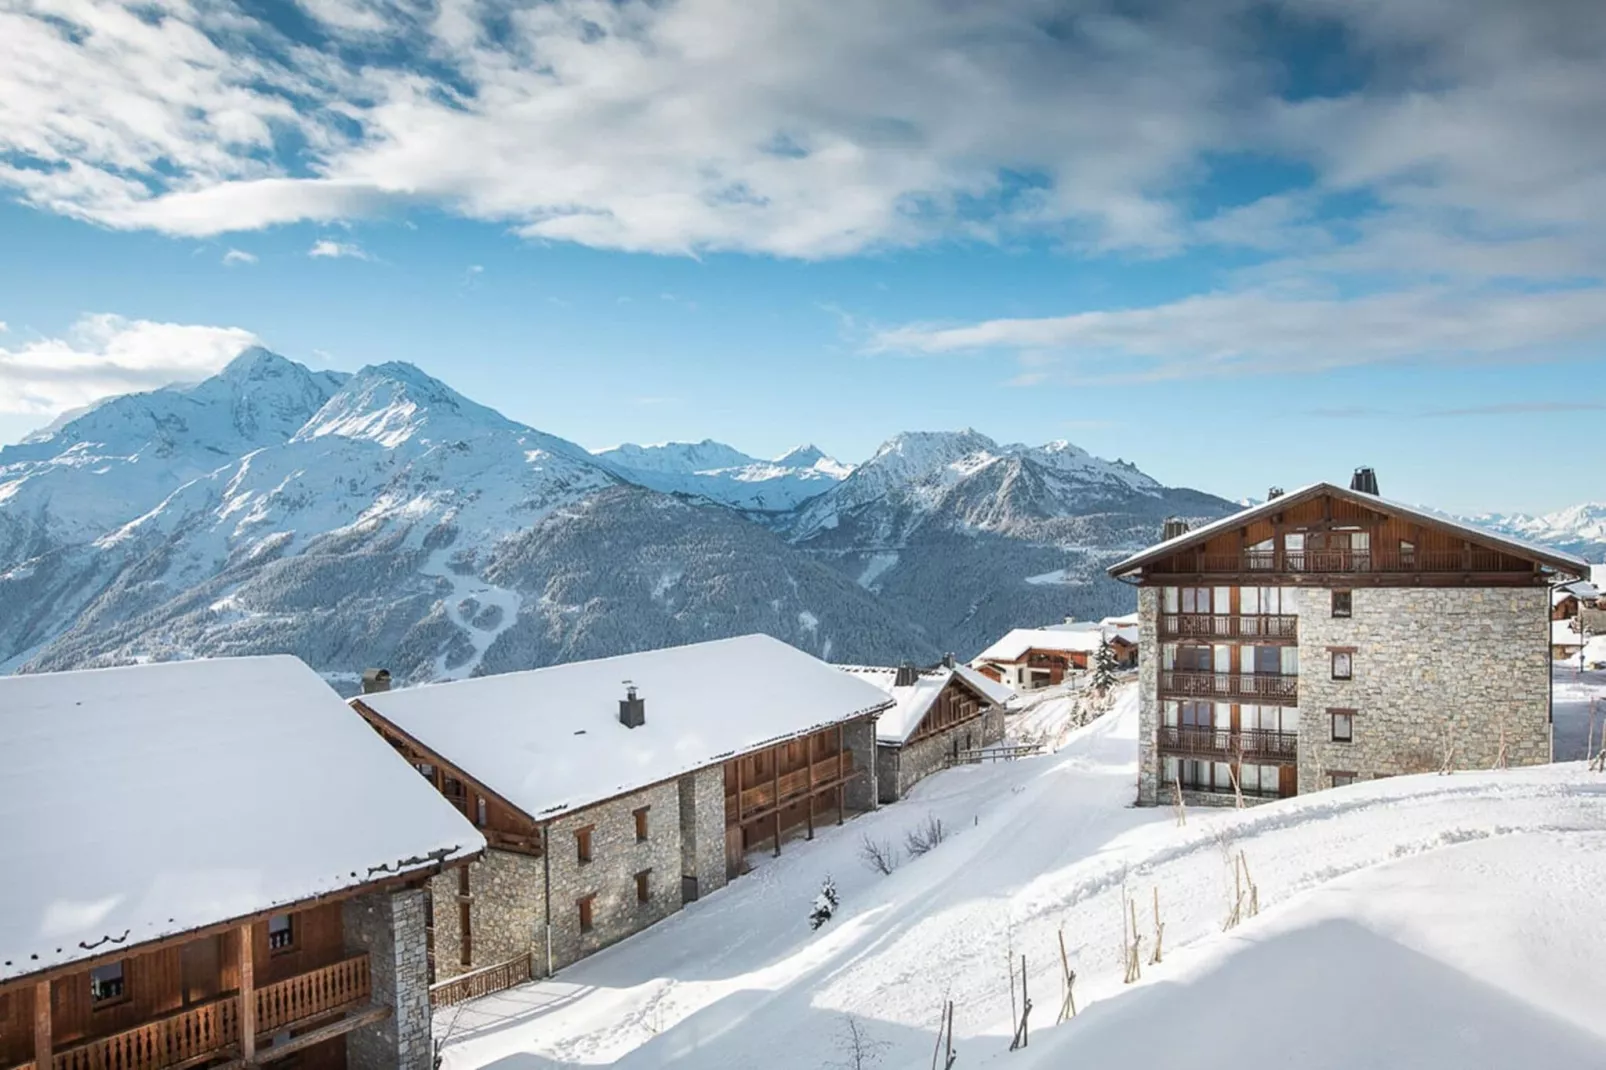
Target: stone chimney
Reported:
[(1365, 481), (948, 660), (1173, 527), (374, 680), (632, 708), (907, 675)]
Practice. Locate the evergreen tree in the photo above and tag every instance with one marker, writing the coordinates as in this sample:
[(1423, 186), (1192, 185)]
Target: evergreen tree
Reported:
[(1104, 667), (825, 904)]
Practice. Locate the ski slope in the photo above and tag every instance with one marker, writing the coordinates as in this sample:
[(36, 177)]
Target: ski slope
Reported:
[(1037, 846)]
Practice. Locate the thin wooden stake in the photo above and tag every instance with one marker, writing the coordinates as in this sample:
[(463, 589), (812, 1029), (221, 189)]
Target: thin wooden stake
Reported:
[(1159, 928), (1068, 1005)]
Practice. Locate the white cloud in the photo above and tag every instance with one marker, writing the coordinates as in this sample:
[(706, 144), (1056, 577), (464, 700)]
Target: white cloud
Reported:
[(1257, 332), (324, 248), (239, 256), (105, 354)]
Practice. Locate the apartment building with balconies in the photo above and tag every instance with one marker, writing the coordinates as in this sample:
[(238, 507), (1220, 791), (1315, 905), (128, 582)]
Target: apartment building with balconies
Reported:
[(1328, 636)]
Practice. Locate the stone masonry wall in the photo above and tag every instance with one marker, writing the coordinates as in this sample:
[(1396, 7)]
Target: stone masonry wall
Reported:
[(506, 916), (702, 828), (1148, 695), (610, 876), (1475, 656), (862, 792), (913, 762), (389, 927)]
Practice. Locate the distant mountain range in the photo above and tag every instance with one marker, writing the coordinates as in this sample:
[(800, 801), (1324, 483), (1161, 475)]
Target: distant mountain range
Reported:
[(382, 518)]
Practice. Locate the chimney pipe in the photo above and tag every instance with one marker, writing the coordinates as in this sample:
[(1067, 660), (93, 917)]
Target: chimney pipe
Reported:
[(907, 675), (374, 680), (1365, 481), (1274, 492), (1173, 527), (948, 660), (632, 708)]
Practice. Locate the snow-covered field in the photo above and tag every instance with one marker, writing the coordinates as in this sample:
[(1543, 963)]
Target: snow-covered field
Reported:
[(1420, 921), (1571, 693)]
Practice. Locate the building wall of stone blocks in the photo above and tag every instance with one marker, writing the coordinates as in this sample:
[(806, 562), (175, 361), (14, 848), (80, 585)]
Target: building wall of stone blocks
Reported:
[(1148, 695), (1428, 660), (863, 791), (900, 768), (610, 876), (507, 891), (702, 828), (389, 927)]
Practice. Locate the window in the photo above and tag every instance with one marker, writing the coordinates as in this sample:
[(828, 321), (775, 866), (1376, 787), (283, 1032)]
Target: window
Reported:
[(582, 844), (1341, 780), (644, 887), (1407, 554), (281, 932), (586, 916), (1343, 665), (481, 818), (465, 927), (106, 985), (1341, 604), (1343, 725), (641, 823)]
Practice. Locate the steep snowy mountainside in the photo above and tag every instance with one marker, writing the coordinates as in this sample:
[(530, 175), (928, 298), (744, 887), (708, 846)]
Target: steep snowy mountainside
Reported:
[(1578, 529), (725, 475), (82, 477)]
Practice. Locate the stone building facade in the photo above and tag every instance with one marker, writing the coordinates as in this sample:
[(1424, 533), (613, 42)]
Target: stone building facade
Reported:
[(389, 927), (899, 768)]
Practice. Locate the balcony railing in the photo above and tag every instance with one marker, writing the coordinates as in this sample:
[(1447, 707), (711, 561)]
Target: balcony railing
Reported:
[(767, 794), (1223, 744), (1262, 687), (213, 1028), (1339, 561), (481, 982), (1228, 626)]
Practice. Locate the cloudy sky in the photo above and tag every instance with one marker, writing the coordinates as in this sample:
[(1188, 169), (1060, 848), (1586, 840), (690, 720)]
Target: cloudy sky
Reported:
[(1239, 243)]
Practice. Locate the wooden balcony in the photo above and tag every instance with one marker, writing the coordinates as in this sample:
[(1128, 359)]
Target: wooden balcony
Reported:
[(211, 1030), (1339, 562), (1267, 688), (481, 982), (1266, 627), (768, 795), (1223, 744)]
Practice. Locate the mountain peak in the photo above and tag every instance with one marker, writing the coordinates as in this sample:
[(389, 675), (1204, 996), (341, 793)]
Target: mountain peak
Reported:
[(257, 362), (392, 402), (801, 457), (681, 458)]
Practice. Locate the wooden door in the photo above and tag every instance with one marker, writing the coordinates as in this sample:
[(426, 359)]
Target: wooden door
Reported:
[(1288, 781), (199, 964)]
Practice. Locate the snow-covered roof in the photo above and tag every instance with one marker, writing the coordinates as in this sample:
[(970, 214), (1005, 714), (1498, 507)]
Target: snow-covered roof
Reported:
[(912, 701), (1583, 590), (1563, 633), (148, 801), (550, 741), (1075, 641), (1564, 562)]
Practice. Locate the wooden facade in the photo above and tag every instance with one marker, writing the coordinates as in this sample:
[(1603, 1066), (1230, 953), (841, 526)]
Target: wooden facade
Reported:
[(777, 790), (270, 987)]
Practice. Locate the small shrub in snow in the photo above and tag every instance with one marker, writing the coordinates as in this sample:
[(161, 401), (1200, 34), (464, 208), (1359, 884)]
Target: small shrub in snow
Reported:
[(825, 904), (859, 1049), (922, 839), (879, 855)]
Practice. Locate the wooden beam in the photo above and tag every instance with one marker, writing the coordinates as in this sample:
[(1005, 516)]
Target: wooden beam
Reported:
[(248, 997), (775, 768), (43, 1044), (315, 1036), (809, 757), (841, 788)]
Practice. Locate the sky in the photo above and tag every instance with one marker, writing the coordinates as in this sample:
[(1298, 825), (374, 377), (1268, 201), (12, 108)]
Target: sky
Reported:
[(1237, 243)]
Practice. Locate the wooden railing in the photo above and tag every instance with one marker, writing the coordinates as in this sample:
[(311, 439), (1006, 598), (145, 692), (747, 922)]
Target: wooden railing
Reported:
[(1341, 561), (1251, 744), (1228, 626), (1253, 686), (481, 982), (797, 784), (213, 1028)]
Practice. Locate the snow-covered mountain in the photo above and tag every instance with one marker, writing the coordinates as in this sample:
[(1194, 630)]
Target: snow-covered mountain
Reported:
[(723, 474), (1578, 529)]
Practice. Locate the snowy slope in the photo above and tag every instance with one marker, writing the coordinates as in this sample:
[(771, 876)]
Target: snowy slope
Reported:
[(723, 474), (1051, 843)]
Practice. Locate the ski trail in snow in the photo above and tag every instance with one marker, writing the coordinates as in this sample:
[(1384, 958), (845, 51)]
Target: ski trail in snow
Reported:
[(485, 594)]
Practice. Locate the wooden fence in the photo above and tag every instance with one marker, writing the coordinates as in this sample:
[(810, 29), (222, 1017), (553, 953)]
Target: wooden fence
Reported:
[(481, 982)]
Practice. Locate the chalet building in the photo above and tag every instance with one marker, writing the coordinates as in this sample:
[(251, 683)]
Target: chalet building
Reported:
[(211, 863), (614, 791), (936, 714), (1330, 635), (1030, 658)]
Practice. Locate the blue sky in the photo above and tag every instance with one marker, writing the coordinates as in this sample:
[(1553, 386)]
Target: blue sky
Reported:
[(1236, 243)]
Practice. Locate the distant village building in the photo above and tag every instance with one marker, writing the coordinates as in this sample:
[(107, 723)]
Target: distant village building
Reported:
[(212, 862), (1030, 658), (938, 713), (1330, 635), (614, 791)]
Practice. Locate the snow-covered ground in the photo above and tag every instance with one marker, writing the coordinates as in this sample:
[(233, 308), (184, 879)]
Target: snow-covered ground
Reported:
[(1489, 934)]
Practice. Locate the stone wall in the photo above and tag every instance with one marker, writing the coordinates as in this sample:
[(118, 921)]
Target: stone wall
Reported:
[(507, 891), (1148, 695), (863, 792), (1429, 662), (702, 829), (610, 876), (389, 928), (900, 768)]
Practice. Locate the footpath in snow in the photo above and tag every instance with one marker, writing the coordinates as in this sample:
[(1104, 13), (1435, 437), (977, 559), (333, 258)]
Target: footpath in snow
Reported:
[(1492, 902)]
